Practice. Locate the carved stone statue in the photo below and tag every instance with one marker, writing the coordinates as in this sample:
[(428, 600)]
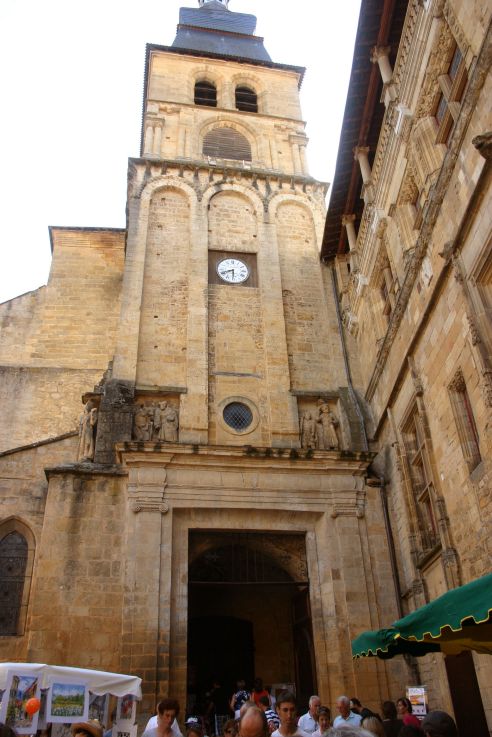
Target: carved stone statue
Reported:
[(87, 433), (169, 423), (142, 426), (308, 431), (326, 425)]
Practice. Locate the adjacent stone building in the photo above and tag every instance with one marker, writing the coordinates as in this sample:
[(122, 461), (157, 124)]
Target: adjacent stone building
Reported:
[(409, 234), (200, 411)]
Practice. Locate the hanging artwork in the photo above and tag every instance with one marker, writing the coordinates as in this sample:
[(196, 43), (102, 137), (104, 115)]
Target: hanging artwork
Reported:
[(126, 709), (21, 689), (68, 701)]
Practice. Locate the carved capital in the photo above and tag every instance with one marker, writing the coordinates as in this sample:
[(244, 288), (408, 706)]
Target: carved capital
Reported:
[(149, 506), (361, 152), (346, 219), (474, 334), (458, 382), (379, 51), (487, 386)]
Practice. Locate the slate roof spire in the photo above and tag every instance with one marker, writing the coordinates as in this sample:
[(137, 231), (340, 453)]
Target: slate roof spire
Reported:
[(212, 28)]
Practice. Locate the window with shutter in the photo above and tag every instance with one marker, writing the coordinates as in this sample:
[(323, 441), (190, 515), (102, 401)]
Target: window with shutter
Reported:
[(205, 94), (246, 100), (226, 143)]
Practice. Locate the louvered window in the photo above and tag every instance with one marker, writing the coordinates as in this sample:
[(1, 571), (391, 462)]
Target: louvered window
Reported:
[(226, 143), (246, 100), (205, 94)]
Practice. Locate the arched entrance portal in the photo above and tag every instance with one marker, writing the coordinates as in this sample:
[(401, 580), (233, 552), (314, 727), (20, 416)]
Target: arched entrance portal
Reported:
[(249, 613)]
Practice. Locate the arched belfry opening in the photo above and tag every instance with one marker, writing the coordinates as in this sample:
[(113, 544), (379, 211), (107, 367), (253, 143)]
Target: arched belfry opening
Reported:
[(249, 612)]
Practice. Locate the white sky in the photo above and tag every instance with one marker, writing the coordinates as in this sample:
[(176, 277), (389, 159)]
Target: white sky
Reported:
[(71, 91)]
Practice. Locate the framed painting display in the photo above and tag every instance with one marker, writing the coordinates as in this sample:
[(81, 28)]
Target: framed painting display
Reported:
[(20, 688), (126, 709), (68, 701)]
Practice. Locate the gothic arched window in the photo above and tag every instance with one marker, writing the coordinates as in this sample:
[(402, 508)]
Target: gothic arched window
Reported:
[(205, 94), (226, 143), (14, 554), (246, 100)]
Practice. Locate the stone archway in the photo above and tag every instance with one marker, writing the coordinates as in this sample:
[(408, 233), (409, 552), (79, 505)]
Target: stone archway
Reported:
[(243, 590)]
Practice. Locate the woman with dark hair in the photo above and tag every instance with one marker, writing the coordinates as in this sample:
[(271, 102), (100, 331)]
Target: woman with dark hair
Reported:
[(391, 723), (404, 709), (167, 711)]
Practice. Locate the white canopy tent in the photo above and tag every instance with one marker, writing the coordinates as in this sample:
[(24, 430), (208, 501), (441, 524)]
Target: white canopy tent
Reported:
[(99, 682)]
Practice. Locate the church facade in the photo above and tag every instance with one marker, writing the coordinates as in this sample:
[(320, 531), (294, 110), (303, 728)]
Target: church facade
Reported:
[(203, 475)]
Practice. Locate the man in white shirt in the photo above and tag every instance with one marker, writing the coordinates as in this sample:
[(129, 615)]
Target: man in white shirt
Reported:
[(286, 710), (346, 717), (309, 721)]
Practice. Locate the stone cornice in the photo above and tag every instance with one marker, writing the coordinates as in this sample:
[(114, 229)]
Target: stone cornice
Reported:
[(282, 460), (433, 207)]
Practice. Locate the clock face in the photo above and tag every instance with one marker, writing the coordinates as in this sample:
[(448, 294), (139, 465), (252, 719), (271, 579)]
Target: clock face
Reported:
[(232, 270)]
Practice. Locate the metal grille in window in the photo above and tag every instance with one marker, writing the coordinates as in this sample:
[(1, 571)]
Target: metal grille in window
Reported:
[(205, 94), (238, 416), (246, 100), (226, 143), (13, 561)]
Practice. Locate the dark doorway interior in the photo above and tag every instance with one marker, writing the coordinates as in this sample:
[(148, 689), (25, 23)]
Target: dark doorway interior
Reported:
[(248, 613), (465, 694), (222, 648)]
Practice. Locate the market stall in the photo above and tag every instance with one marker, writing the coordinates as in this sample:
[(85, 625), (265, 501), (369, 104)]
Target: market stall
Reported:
[(36, 695)]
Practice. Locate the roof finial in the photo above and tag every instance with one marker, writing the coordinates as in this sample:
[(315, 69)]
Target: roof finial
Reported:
[(225, 3)]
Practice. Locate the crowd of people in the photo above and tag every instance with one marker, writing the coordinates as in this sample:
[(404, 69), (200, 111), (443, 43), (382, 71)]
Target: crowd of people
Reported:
[(258, 714)]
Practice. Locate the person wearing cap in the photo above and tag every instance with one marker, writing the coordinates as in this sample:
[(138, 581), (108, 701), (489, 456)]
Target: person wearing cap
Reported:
[(439, 724), (167, 712), (90, 728)]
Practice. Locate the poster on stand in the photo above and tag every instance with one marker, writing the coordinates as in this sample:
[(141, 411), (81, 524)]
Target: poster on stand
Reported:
[(126, 709), (124, 729), (68, 701), (418, 699), (42, 724), (20, 688)]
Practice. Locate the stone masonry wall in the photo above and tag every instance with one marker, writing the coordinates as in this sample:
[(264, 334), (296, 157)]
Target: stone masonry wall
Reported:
[(308, 335), (162, 341)]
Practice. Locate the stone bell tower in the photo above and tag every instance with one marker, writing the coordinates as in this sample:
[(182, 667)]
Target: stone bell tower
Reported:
[(223, 296)]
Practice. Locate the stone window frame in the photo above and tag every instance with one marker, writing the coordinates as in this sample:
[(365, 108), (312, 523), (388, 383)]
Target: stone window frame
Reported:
[(7, 526), (242, 400), (450, 92), (246, 91), (207, 85), (419, 476), (480, 283), (465, 421)]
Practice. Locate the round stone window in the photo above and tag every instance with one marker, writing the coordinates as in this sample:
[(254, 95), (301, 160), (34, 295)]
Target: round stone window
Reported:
[(238, 416)]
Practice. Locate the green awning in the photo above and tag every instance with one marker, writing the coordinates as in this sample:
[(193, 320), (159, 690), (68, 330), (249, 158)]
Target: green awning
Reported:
[(385, 644), (460, 619), (465, 610)]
